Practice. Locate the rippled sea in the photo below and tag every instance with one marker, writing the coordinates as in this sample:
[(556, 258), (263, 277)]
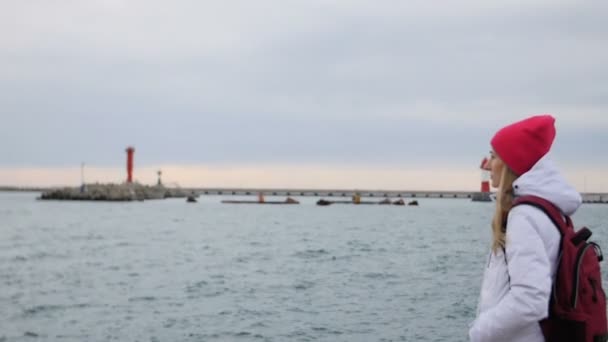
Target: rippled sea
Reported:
[(169, 270)]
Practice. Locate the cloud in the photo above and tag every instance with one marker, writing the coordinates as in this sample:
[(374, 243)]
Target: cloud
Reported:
[(310, 82)]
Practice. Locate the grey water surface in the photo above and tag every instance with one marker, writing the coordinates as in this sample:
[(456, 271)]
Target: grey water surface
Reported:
[(168, 270)]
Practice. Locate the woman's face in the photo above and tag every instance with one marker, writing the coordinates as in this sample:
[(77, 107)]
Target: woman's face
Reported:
[(495, 165)]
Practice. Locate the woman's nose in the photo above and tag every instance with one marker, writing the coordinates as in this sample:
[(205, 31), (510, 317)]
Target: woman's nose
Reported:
[(487, 164)]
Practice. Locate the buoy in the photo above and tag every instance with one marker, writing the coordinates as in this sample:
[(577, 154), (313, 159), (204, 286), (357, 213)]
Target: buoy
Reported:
[(357, 198)]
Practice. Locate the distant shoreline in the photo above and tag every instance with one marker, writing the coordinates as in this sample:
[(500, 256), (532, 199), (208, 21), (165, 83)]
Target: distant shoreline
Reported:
[(24, 189), (588, 197)]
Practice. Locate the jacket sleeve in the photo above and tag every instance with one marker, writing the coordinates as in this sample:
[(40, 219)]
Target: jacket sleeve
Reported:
[(530, 283)]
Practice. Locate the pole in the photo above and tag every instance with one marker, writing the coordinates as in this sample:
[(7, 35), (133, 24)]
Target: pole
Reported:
[(585, 184), (82, 186)]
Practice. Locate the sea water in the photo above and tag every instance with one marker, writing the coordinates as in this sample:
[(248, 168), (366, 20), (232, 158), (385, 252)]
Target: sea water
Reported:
[(167, 270)]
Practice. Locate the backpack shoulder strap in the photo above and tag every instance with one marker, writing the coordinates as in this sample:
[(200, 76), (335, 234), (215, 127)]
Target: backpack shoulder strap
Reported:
[(562, 222)]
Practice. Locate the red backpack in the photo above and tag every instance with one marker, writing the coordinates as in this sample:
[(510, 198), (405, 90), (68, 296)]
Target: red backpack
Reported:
[(577, 310)]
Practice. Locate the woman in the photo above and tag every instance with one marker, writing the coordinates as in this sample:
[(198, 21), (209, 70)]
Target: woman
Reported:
[(521, 267)]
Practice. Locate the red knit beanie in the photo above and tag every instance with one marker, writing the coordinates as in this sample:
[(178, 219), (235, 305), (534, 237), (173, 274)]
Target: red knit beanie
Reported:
[(520, 145)]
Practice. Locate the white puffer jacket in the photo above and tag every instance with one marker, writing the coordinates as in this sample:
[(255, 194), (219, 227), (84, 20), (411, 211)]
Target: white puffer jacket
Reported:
[(510, 310)]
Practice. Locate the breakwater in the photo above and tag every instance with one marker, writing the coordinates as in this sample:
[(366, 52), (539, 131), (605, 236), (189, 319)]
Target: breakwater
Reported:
[(587, 197), (113, 192)]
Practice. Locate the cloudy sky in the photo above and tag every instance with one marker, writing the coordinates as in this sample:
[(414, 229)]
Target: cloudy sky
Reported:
[(274, 93)]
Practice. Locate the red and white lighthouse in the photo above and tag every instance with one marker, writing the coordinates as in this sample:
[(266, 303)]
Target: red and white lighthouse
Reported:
[(130, 152), (485, 175)]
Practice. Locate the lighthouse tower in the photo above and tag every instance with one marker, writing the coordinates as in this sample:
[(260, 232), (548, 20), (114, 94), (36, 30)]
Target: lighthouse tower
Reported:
[(484, 195), (130, 151), (485, 175)]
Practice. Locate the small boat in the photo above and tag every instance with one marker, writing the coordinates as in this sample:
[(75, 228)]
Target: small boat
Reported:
[(191, 199), (290, 200), (385, 201), (261, 200), (323, 202), (413, 203), (256, 202), (399, 202)]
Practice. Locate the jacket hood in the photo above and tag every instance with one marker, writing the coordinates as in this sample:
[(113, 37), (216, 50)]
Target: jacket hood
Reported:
[(544, 180)]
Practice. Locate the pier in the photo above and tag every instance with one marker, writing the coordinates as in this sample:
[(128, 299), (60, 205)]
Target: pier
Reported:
[(332, 193), (587, 197)]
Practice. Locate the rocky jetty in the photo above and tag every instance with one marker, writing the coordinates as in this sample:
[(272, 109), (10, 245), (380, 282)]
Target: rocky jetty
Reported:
[(481, 197), (399, 202), (113, 192)]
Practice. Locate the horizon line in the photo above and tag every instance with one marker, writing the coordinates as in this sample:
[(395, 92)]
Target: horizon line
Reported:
[(255, 190)]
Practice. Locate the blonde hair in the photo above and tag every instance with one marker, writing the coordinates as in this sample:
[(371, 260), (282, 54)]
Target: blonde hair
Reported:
[(504, 202)]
